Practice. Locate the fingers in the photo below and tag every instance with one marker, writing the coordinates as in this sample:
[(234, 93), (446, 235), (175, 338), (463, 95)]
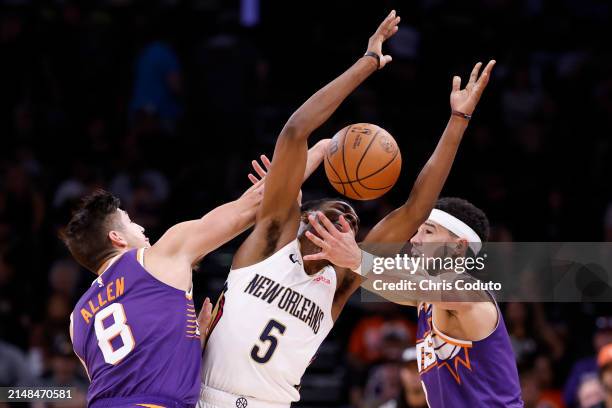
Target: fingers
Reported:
[(388, 19), (331, 228), (204, 319), (317, 241), (315, 257), (385, 60), (486, 73), (257, 184), (258, 168), (391, 28), (323, 232), (484, 78), (346, 227), (205, 314), (474, 75), (389, 25), (253, 179), (208, 306), (489, 68), (266, 162), (258, 188), (456, 83)]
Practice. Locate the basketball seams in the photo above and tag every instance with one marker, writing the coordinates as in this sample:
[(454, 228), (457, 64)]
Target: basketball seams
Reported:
[(356, 158), (336, 173), (358, 179), (344, 161), (376, 172), (369, 175), (364, 154)]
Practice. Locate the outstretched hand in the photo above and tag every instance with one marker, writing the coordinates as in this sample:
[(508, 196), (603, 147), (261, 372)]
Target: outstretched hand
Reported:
[(259, 169), (385, 30), (255, 192), (465, 100), (337, 245), (262, 171)]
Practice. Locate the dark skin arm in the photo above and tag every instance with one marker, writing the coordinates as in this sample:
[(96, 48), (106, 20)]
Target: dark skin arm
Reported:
[(278, 216), (401, 224)]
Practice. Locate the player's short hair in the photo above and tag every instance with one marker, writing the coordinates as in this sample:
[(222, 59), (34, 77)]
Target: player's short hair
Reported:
[(86, 235), (467, 212)]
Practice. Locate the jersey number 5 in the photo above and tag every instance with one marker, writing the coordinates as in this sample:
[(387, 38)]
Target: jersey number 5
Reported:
[(266, 336), (106, 335)]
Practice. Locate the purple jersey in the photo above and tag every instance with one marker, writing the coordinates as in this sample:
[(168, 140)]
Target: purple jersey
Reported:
[(138, 339), (457, 373)]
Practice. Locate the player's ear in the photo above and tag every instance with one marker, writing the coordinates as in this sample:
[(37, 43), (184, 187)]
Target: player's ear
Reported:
[(117, 239), (461, 247)]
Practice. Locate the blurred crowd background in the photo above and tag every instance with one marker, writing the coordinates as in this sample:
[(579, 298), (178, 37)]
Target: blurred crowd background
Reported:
[(165, 103)]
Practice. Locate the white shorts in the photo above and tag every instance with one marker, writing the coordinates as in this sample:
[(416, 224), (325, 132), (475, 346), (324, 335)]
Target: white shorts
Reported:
[(212, 398)]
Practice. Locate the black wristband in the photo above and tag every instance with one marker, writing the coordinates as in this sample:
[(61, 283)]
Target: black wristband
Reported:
[(373, 55), (461, 114)]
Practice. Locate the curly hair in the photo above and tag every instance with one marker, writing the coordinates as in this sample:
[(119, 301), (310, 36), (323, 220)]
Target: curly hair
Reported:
[(467, 212)]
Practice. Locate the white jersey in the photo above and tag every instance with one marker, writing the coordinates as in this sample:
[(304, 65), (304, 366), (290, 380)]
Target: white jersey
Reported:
[(270, 322)]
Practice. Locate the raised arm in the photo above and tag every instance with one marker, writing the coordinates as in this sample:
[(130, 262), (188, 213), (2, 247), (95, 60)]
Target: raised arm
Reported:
[(315, 158), (278, 216), (171, 258), (401, 224)]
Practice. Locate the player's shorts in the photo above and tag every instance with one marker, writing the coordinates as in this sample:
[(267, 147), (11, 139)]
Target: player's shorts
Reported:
[(138, 402), (212, 398)]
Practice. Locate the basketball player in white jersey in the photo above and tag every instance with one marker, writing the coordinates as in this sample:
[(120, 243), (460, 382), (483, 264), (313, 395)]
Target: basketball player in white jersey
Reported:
[(277, 307), (464, 352)]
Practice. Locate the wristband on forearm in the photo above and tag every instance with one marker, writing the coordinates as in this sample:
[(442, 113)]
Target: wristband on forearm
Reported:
[(373, 55), (461, 114)]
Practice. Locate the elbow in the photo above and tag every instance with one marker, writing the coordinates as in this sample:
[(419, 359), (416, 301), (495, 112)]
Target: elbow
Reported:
[(322, 145), (295, 129)]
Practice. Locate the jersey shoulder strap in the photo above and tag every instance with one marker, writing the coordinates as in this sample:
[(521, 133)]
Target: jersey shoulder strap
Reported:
[(278, 255)]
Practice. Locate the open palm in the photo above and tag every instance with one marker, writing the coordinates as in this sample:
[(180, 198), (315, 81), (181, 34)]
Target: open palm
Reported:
[(385, 30), (465, 100)]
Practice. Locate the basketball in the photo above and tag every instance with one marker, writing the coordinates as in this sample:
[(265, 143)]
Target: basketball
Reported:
[(363, 161)]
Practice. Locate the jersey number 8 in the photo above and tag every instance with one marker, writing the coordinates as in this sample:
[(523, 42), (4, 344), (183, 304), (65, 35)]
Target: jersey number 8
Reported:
[(266, 336), (106, 335)]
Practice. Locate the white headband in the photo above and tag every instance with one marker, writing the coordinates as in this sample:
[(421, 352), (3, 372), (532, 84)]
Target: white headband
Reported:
[(457, 227)]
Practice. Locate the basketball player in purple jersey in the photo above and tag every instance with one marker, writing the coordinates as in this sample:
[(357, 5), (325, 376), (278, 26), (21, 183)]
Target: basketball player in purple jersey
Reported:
[(135, 329), (465, 357)]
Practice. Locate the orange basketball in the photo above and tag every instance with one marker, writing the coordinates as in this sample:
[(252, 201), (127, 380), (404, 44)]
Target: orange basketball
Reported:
[(363, 161)]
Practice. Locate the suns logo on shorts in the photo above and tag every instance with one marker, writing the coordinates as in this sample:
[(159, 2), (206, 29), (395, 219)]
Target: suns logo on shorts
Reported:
[(438, 350)]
